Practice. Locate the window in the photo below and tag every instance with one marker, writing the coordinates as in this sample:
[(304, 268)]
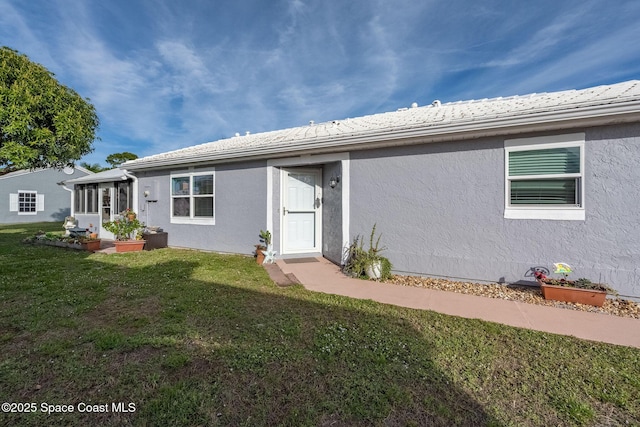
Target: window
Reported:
[(26, 202), (86, 199), (125, 196), (544, 177), (192, 198), (78, 198), (92, 198)]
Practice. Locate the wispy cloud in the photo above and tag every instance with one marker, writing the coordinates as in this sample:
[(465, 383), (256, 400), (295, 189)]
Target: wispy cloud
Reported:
[(164, 75)]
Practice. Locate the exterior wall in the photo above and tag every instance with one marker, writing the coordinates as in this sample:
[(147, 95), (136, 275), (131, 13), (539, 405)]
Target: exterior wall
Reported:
[(240, 208), (332, 214), (440, 209), (89, 221), (57, 200)]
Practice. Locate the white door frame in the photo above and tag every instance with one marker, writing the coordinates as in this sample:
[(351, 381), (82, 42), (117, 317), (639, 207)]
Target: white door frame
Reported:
[(103, 218), (313, 160), (284, 172)]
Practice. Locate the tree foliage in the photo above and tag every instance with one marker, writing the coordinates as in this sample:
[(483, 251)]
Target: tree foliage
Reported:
[(116, 159), (95, 167), (42, 122)]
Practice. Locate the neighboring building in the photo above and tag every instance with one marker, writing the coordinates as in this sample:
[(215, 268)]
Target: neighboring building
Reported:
[(479, 190), (100, 197), (36, 195)]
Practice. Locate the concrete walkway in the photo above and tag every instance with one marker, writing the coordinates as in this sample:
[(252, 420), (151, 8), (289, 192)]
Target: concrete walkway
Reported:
[(323, 276)]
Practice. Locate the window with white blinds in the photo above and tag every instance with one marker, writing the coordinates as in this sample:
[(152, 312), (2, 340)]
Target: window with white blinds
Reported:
[(544, 177)]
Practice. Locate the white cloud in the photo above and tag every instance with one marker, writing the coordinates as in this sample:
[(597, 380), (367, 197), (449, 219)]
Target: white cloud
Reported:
[(167, 75)]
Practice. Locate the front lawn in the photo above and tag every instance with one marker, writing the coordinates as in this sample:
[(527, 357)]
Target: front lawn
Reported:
[(179, 337)]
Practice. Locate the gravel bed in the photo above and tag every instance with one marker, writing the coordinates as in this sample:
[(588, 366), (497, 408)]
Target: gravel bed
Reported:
[(528, 294)]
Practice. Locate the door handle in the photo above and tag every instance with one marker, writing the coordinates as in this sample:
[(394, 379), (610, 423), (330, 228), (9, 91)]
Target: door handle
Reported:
[(284, 211)]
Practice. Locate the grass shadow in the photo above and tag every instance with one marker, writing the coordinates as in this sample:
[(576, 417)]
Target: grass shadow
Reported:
[(192, 338), (189, 345)]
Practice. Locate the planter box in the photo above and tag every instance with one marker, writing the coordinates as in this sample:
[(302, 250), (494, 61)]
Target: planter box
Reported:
[(91, 245), (129, 245), (569, 294), (58, 244), (155, 240)]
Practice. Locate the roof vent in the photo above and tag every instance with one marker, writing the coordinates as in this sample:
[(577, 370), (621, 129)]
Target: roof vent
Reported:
[(414, 105), (237, 134), (311, 122), (436, 103), (247, 133)]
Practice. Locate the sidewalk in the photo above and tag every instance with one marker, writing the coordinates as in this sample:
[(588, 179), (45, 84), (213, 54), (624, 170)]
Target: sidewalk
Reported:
[(323, 276)]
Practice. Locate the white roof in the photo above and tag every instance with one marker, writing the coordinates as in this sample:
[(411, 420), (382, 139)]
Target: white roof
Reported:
[(110, 175), (436, 122), (66, 170)]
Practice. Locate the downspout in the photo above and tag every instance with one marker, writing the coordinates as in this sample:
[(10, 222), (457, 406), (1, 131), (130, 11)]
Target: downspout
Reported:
[(72, 197), (135, 187)]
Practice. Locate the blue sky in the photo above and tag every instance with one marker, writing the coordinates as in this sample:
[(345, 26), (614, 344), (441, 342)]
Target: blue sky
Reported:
[(166, 74)]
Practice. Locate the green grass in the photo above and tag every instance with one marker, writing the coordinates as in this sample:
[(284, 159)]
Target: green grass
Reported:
[(194, 338)]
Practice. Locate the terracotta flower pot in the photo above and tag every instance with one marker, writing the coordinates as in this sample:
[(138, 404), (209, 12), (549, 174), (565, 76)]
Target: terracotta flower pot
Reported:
[(91, 245), (570, 294), (259, 254), (129, 245)]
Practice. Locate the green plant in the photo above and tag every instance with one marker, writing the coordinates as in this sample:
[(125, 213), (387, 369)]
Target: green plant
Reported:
[(581, 283), (358, 259), (265, 237), (125, 228)]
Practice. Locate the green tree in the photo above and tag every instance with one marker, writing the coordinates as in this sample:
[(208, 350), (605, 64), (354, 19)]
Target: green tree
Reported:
[(95, 167), (116, 159), (42, 122)]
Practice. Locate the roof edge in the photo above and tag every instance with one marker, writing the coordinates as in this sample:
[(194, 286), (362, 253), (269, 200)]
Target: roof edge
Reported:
[(592, 116)]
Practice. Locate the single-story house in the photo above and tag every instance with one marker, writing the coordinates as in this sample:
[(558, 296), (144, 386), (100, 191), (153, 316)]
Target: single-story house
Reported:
[(479, 190), (100, 197), (36, 195)]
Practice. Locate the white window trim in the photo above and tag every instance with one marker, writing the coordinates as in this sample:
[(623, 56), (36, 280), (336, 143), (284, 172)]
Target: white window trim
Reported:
[(39, 202), (191, 219), (551, 212)]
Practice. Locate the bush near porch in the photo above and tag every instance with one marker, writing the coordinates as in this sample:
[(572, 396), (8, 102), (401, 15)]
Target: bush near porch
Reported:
[(194, 338)]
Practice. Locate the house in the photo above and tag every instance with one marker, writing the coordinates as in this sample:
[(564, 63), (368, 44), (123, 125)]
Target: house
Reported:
[(36, 195), (480, 190), (99, 197)]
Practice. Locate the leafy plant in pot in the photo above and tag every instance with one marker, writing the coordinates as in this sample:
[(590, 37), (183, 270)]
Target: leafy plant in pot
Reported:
[(265, 245), (127, 230), (365, 263), (581, 291)]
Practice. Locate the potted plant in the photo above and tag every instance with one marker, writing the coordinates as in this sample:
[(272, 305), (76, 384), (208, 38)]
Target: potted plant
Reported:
[(90, 243), (92, 231), (264, 245), (127, 230), (369, 263), (131, 215), (581, 291)]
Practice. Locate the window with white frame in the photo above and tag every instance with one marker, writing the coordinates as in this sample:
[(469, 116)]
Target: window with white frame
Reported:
[(193, 197), (124, 197), (26, 202), (86, 199), (544, 177)]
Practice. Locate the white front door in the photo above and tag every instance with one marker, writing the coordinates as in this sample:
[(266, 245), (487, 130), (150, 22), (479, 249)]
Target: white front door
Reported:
[(301, 210)]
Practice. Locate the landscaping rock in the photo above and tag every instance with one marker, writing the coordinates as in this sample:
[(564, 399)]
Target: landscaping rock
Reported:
[(527, 294)]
